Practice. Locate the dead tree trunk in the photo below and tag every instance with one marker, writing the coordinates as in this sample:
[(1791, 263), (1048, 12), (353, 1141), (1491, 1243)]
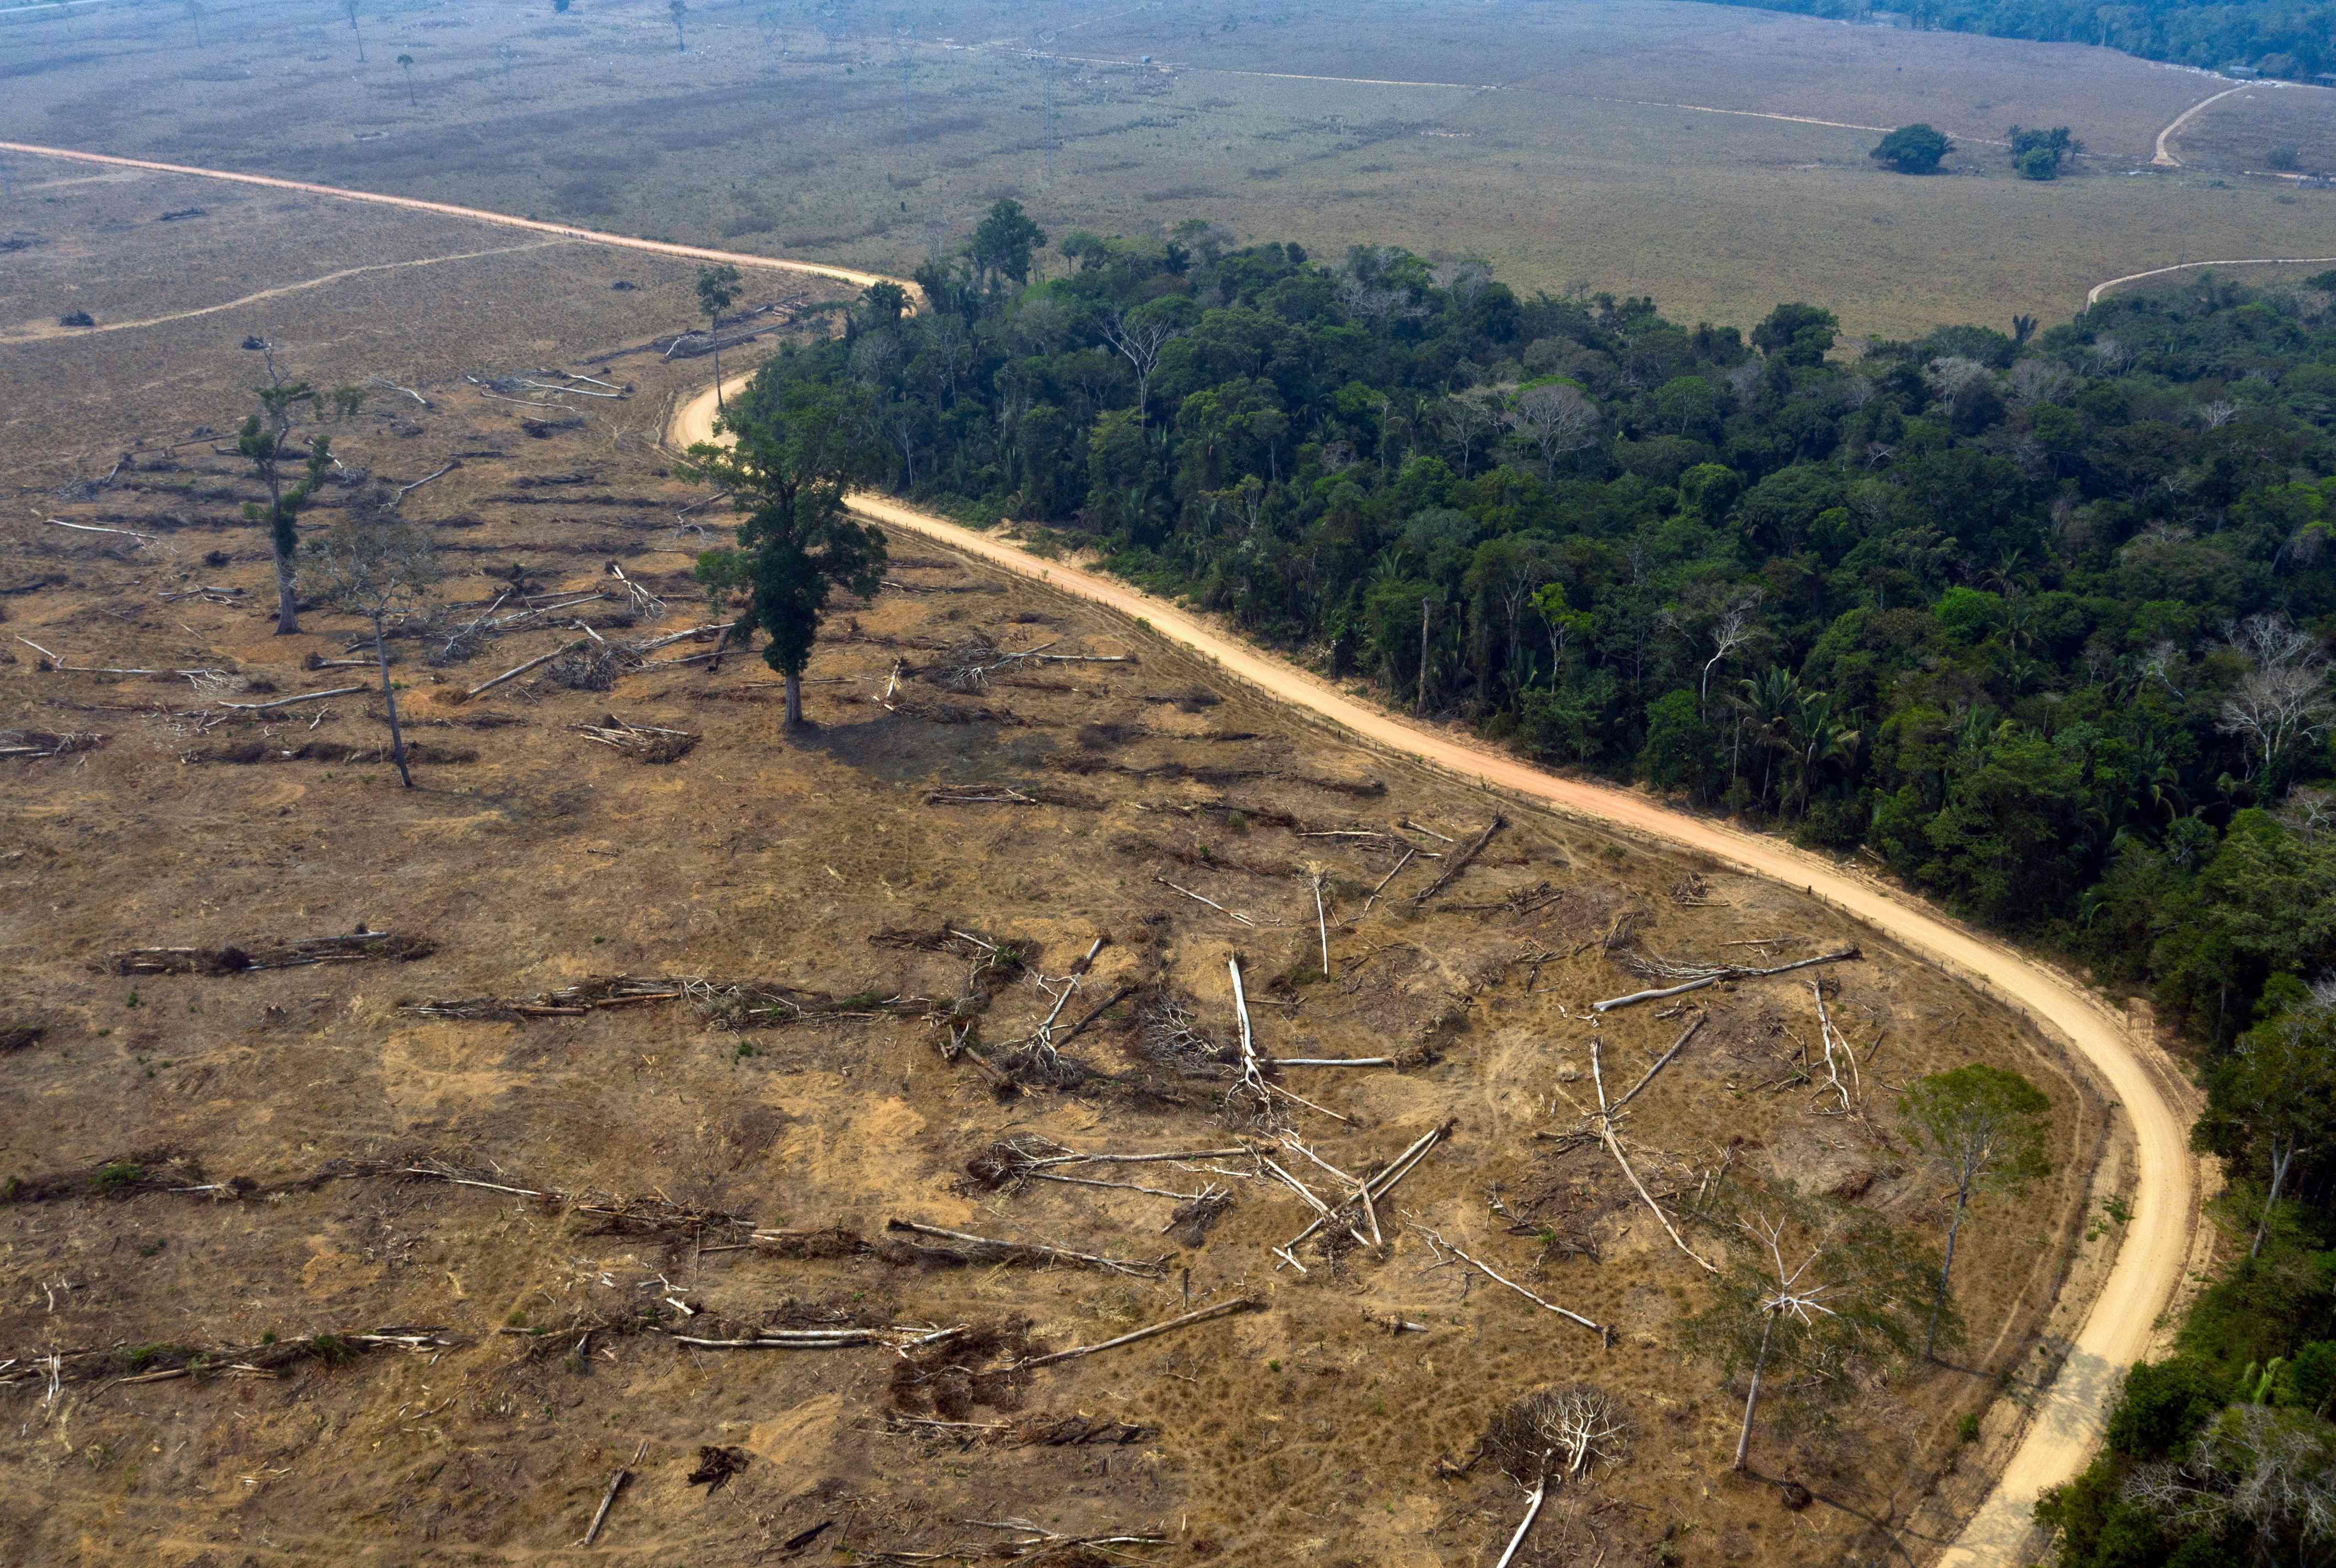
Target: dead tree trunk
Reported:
[(389, 701), (2280, 1161), (1752, 1396)]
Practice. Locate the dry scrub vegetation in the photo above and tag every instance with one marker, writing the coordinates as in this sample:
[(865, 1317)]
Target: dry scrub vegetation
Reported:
[(388, 1169), (1550, 139)]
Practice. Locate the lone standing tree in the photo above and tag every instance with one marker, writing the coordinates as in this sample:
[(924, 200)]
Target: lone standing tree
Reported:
[(717, 291), (1982, 1129), (378, 565), (351, 7), (680, 12), (796, 446), (405, 63), (265, 440), (1916, 149)]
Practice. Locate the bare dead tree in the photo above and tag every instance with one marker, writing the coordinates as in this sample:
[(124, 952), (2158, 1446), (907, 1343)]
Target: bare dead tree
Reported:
[(2283, 699), (380, 566), (1469, 419), (1557, 419), (1139, 340)]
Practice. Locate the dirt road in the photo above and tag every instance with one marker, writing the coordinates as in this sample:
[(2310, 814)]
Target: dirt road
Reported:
[(2068, 1418), (476, 215), (2100, 288)]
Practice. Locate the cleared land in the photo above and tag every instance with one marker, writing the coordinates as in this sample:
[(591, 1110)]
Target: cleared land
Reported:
[(1561, 157), (535, 859)]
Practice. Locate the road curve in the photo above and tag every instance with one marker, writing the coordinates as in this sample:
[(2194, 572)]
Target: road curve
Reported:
[(2094, 297), (2164, 158), (2067, 1423)]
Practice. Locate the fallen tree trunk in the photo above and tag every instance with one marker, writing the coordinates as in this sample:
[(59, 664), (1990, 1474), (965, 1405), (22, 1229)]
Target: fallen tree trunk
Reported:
[(1716, 975)]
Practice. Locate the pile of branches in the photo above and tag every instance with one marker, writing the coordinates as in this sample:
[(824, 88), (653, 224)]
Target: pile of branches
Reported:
[(1560, 1431), (1010, 795), (591, 667), (725, 1004), (643, 742), (40, 743), (568, 1002), (356, 947), (979, 1367), (759, 1005), (1169, 1036), (161, 1363), (1035, 1430), (246, 753), (968, 666)]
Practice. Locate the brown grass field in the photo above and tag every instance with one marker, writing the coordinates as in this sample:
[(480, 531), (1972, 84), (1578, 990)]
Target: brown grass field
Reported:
[(1562, 155), (530, 859)]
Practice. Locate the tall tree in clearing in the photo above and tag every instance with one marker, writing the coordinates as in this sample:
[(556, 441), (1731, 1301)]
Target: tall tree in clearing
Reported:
[(266, 440), (681, 37), (717, 291), (1982, 1128), (379, 566), (351, 7), (795, 446)]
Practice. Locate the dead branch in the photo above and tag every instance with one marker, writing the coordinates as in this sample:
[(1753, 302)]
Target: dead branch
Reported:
[(1461, 861), (1231, 914), (1437, 1240), (521, 669), (1605, 1120), (1718, 975), (1223, 1309), (283, 955), (990, 1250), (289, 701), (1662, 1061), (451, 464), (1378, 1186), (616, 1482)]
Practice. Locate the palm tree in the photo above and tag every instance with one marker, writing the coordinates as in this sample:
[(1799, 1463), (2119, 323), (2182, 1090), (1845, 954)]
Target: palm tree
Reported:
[(351, 7), (680, 9), (1769, 699), (405, 63), (1818, 734)]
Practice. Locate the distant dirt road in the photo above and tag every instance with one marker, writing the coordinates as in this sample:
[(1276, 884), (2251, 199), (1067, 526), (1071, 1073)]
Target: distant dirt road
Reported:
[(39, 330), (2098, 290), (447, 209), (2067, 1422), (2164, 158)]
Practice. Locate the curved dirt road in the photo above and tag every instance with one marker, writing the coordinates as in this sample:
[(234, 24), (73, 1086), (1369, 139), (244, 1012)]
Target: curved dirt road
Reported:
[(2164, 158), (2069, 1415), (2094, 297)]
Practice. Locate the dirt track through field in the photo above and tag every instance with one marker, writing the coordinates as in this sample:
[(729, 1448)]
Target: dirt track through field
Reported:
[(2098, 290), (2066, 1423), (38, 330)]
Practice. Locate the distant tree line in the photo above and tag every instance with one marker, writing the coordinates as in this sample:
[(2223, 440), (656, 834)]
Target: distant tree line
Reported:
[(2289, 38)]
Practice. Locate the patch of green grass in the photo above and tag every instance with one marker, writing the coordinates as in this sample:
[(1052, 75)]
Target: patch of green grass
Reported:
[(116, 1174)]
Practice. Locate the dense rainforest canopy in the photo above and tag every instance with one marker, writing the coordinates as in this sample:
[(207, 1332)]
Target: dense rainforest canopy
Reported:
[(2036, 619), (2291, 38)]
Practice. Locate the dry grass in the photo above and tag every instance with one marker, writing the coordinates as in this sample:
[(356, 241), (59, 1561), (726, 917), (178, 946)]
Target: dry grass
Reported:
[(1570, 170)]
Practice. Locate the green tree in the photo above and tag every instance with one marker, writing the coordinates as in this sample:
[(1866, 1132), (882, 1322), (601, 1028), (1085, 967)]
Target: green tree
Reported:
[(717, 291), (405, 63), (1914, 148), (266, 440), (887, 303), (1681, 751), (2037, 154), (1003, 244), (1982, 1129), (2272, 1102), (377, 565), (1798, 335), (796, 446)]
